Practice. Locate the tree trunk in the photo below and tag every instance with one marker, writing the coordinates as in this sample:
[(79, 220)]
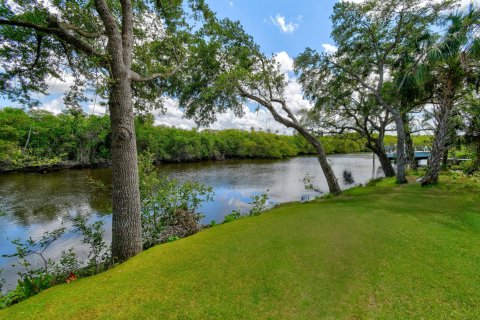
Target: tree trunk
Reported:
[(409, 149), (399, 126), (476, 163), (332, 181), (386, 164), (440, 142), (401, 175), (126, 220), (28, 139), (445, 159)]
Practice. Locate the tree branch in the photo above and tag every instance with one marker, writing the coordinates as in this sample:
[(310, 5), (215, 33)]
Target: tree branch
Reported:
[(85, 34), (134, 76), (57, 31), (286, 109), (352, 74), (38, 51), (127, 32), (286, 122)]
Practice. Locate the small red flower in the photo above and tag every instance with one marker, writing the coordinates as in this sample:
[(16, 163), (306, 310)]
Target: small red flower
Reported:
[(71, 277)]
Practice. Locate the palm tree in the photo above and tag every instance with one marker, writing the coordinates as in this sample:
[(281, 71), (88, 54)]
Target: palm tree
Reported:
[(448, 66)]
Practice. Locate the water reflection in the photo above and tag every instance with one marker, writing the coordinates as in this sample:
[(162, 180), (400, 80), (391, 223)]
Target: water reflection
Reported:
[(34, 203)]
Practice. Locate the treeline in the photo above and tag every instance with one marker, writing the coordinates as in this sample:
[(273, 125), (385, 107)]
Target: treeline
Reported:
[(40, 138), (178, 145)]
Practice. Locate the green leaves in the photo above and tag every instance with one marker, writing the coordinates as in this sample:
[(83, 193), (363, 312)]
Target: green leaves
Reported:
[(169, 208)]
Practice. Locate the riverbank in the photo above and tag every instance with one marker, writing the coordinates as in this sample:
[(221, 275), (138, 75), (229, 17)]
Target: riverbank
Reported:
[(383, 251), (44, 168), (38, 140)]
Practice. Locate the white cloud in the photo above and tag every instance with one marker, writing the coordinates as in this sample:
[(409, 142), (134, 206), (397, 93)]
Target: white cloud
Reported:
[(260, 120), (56, 86), (285, 62), (328, 48), (96, 109), (54, 106), (231, 3), (285, 27), (173, 116), (294, 97), (466, 3)]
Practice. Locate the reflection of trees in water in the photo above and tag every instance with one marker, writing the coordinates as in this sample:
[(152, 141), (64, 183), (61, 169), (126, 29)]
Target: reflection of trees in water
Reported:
[(42, 198)]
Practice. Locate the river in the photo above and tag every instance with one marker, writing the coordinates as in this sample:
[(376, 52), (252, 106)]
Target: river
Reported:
[(31, 204)]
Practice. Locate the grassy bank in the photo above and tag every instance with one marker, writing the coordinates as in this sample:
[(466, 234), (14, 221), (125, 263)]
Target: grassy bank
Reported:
[(385, 251)]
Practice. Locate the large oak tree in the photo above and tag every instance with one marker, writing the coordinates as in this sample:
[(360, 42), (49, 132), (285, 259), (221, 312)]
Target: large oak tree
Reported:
[(129, 52)]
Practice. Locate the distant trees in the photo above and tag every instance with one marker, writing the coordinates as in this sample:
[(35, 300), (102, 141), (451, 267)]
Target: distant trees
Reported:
[(82, 139)]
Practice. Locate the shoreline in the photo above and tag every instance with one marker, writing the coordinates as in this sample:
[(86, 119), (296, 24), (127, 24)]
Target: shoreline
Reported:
[(107, 163)]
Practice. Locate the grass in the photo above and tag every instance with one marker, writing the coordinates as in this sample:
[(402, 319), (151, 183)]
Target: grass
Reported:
[(384, 251)]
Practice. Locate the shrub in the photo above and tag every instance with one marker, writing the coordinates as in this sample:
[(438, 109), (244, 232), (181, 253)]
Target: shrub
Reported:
[(169, 208), (234, 215), (92, 235)]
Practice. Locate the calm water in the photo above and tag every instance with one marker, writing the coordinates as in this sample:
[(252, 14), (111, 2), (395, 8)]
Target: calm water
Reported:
[(34, 203)]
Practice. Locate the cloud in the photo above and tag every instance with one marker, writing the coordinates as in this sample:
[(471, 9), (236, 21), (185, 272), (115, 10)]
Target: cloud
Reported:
[(54, 106), (56, 86), (260, 120), (294, 97), (96, 109), (328, 48), (285, 27), (285, 62), (231, 3), (173, 116)]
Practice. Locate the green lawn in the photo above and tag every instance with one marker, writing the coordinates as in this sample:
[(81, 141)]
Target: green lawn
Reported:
[(387, 252)]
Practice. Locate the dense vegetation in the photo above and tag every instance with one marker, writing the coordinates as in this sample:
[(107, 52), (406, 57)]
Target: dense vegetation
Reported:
[(38, 138), (375, 252)]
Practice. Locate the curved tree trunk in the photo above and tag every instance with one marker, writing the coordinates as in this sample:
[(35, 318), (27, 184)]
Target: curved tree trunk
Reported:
[(440, 142), (126, 220), (332, 181), (386, 164), (292, 122), (322, 159), (399, 126)]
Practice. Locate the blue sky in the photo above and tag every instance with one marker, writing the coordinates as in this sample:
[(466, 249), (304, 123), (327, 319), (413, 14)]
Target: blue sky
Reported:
[(310, 20)]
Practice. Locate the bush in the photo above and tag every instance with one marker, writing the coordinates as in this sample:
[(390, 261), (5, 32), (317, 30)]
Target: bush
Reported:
[(234, 215), (169, 208)]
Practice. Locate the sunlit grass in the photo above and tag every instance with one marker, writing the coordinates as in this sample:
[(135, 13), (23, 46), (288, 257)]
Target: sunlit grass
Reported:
[(383, 251)]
